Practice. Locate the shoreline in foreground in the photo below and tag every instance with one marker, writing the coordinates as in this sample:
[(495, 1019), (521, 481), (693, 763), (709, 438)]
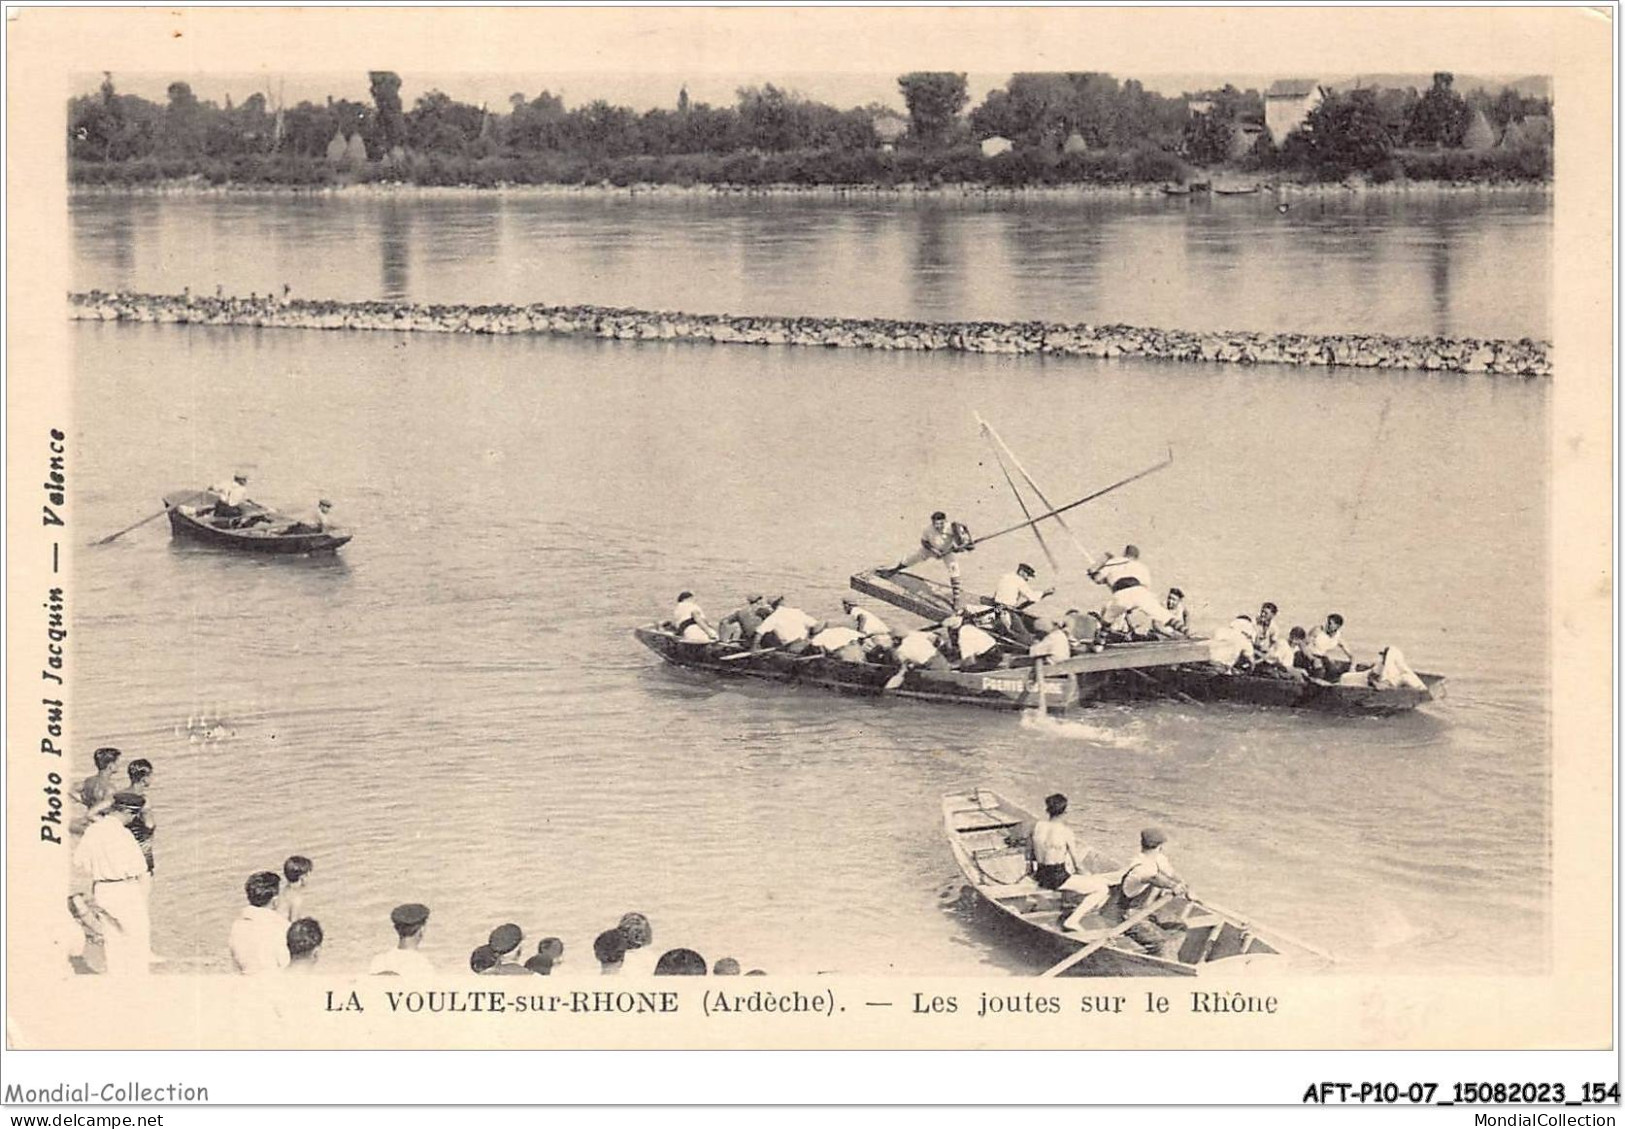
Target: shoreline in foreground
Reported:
[(1523, 357)]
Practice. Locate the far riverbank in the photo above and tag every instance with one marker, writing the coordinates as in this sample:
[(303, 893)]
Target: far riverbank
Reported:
[(1286, 190)]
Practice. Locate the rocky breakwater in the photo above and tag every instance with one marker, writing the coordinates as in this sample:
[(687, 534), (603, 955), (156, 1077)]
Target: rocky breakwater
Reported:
[(1432, 354)]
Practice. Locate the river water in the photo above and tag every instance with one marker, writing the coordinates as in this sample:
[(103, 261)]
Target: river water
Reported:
[(453, 710), (1470, 265)]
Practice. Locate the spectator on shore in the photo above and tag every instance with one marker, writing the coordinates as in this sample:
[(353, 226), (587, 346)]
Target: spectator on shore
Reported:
[(119, 887), (505, 942), (680, 962), (297, 870), (304, 940), (549, 951), (142, 825), (640, 935), (406, 958), (258, 940), (96, 792), (727, 966), (482, 960), (609, 947)]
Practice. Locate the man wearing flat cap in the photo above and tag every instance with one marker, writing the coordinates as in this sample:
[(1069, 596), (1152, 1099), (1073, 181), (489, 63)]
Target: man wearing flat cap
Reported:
[(1149, 877), (119, 886), (406, 958), (505, 942)]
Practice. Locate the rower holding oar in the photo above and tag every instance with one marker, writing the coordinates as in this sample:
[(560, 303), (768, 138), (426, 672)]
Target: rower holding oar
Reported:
[(688, 620)]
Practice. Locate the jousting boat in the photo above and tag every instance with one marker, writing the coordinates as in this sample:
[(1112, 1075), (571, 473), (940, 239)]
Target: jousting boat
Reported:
[(187, 521), (989, 838), (1177, 670)]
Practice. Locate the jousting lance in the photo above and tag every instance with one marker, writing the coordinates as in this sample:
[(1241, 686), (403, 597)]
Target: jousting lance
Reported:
[(1101, 493)]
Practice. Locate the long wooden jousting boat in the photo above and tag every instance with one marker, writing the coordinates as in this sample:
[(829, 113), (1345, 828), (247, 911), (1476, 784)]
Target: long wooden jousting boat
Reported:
[(989, 837), (186, 522), (1012, 689), (1177, 670)]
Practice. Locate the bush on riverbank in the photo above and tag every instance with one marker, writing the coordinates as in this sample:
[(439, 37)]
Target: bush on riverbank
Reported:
[(750, 169)]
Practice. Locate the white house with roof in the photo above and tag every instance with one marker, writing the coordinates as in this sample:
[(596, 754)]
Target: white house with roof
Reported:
[(1288, 102)]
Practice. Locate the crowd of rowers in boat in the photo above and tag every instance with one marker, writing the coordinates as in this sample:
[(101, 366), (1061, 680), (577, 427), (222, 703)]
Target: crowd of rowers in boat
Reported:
[(1004, 633), (233, 509)]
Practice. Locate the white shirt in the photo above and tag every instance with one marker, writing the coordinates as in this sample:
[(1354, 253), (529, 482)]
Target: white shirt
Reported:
[(1265, 636), (974, 642), (1138, 876), (1279, 652), (1232, 641), (402, 962), (869, 623), (1323, 642), (917, 647), (834, 638), (259, 940), (234, 493), (1013, 592), (1123, 568), (1053, 646), (688, 609), (789, 624), (109, 853)]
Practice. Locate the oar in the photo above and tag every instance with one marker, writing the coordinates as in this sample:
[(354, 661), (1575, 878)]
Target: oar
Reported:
[(1087, 498), (111, 537), (1096, 945), (1264, 930), (1038, 682)]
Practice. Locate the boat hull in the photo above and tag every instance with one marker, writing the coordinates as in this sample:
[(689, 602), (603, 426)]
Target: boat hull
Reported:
[(186, 526), (997, 689)]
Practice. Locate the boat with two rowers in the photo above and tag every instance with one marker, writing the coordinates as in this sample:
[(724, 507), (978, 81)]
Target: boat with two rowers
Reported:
[(1190, 936)]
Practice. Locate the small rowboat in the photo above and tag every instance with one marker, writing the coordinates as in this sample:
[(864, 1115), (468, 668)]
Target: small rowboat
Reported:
[(189, 521), (1234, 189), (1177, 936)]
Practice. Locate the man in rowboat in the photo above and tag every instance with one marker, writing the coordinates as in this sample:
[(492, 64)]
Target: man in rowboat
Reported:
[(317, 521), (688, 620), (743, 622), (920, 649), (1147, 877), (1329, 656), (1056, 859), (942, 542)]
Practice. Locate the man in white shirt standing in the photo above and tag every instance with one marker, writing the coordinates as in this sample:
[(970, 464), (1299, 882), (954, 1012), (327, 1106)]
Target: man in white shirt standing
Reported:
[(120, 886), (1130, 582), (405, 959), (259, 936)]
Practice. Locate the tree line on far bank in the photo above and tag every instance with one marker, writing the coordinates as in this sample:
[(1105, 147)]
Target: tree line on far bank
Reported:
[(1062, 128)]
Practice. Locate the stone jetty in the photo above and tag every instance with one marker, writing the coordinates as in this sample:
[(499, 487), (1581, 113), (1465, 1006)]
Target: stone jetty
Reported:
[(1431, 354)]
